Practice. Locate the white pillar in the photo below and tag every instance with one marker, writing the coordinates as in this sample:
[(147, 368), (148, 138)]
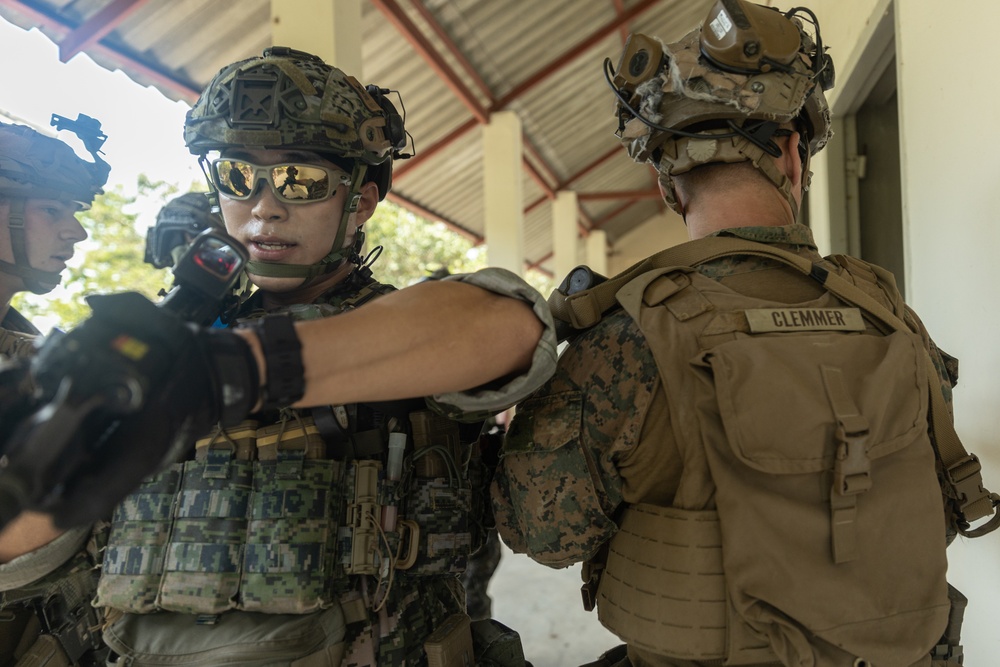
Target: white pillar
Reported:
[(597, 251), (503, 200), (330, 29), (565, 247)]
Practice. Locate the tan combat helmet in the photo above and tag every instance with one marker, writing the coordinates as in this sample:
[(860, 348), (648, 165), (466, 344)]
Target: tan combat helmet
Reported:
[(34, 166), (292, 100), (721, 93)]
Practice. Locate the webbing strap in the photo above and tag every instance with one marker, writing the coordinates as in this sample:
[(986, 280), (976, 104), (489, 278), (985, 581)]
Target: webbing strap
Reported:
[(962, 471), (851, 469)]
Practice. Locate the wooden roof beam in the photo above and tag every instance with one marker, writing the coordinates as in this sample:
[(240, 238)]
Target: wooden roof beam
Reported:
[(97, 26), (423, 47), (563, 60)]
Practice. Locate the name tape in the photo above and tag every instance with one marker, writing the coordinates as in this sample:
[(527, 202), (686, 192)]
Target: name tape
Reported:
[(805, 319)]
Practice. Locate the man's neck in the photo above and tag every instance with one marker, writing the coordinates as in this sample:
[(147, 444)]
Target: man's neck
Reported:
[(310, 292), (751, 207)]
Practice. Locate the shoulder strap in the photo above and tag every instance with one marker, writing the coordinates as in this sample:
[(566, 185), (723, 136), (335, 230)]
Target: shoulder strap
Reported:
[(962, 471)]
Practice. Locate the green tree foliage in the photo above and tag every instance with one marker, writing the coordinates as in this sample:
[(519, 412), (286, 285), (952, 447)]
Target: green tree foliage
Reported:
[(413, 248)]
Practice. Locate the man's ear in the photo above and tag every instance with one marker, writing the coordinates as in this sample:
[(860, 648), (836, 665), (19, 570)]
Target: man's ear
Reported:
[(367, 203)]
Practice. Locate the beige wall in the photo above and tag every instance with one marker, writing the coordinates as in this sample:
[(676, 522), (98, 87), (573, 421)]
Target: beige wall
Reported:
[(951, 196), (656, 233)]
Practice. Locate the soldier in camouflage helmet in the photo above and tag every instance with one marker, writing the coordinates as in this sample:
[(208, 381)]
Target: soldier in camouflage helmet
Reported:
[(178, 222), (675, 452), (324, 519), (43, 184)]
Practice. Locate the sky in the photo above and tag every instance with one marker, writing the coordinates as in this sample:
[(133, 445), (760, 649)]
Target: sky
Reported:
[(144, 128)]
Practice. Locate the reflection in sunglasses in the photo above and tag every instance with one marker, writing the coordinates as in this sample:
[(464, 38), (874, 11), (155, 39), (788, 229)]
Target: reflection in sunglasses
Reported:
[(291, 182)]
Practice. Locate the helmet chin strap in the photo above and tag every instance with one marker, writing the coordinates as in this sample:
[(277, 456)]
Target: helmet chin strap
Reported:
[(36, 280), (338, 252)]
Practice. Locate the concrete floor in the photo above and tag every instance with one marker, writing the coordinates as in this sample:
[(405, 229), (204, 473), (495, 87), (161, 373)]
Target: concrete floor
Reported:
[(544, 606)]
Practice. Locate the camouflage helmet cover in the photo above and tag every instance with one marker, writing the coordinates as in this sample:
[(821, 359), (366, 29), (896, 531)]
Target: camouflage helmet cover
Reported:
[(289, 99), (33, 165), (746, 62)]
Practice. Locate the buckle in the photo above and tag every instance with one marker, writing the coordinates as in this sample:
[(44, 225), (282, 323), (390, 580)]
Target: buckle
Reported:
[(852, 468), (965, 478)]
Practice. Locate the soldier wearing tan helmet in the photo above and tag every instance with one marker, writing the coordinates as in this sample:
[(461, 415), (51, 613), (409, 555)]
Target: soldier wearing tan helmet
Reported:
[(43, 184), (742, 441), (307, 497)]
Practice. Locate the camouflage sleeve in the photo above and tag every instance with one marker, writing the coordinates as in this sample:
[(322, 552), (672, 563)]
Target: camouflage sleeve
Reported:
[(482, 402), (32, 566), (557, 488)]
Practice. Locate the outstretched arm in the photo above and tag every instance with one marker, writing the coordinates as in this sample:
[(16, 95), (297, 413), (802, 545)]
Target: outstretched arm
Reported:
[(442, 339), (432, 338)]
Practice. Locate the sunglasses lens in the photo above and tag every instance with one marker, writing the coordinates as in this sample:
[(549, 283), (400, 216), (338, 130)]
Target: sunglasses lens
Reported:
[(294, 183), (301, 182), (233, 178)]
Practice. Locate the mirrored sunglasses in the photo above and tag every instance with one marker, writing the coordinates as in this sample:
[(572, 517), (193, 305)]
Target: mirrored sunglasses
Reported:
[(292, 183)]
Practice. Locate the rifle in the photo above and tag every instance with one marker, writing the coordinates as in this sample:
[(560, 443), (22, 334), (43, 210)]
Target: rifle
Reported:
[(43, 447)]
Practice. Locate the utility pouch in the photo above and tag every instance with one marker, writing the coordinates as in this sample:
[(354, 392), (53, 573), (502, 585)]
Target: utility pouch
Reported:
[(825, 473), (450, 645), (203, 560), (544, 451), (496, 645), (137, 545), (291, 549), (438, 499), (45, 652), (358, 544), (236, 639), (441, 508)]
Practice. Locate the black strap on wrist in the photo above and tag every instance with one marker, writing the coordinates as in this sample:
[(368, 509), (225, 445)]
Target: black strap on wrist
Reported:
[(236, 374), (283, 356)]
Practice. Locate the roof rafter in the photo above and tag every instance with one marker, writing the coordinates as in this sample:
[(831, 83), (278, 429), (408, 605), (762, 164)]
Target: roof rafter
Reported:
[(97, 26), (159, 77)]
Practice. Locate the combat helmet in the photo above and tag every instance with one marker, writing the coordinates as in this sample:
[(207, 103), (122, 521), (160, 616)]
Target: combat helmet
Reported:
[(722, 93), (178, 222), (34, 166), (292, 100)]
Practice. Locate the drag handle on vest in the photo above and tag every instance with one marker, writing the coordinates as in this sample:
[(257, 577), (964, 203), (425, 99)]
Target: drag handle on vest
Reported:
[(47, 443)]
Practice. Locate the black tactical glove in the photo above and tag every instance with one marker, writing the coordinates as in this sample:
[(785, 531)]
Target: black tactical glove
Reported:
[(17, 398), (125, 393)]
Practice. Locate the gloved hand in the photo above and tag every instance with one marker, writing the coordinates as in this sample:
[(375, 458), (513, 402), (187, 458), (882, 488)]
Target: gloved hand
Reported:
[(126, 393), (17, 399)]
